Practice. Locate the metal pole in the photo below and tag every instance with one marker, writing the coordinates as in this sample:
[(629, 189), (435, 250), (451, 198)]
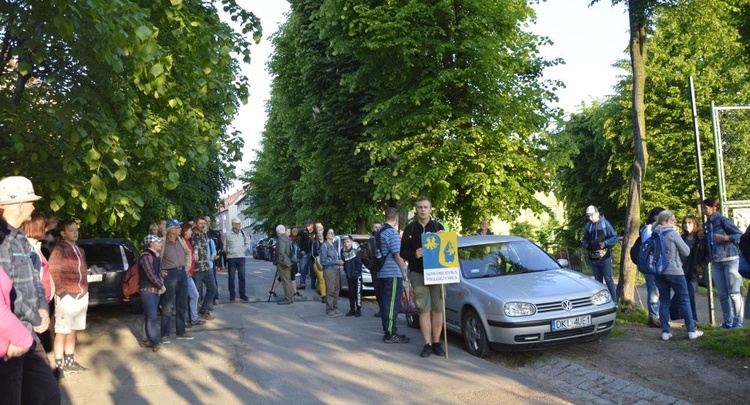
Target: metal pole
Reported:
[(699, 158), (445, 320), (720, 186)]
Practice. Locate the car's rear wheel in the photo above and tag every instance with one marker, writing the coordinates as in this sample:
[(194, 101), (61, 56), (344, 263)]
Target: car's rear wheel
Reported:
[(412, 320), (475, 337)]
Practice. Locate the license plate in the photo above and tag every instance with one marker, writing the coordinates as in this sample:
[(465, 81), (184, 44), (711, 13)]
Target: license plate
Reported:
[(95, 278), (571, 323)]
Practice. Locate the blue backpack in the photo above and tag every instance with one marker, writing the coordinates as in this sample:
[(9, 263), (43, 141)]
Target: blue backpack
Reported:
[(652, 256)]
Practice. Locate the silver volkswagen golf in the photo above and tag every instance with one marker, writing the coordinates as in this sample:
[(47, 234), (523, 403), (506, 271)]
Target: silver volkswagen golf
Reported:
[(515, 296)]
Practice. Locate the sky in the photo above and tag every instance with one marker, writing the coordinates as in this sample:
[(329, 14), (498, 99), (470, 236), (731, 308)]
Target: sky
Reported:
[(589, 39)]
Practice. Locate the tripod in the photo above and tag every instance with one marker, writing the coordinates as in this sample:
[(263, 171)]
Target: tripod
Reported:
[(273, 280)]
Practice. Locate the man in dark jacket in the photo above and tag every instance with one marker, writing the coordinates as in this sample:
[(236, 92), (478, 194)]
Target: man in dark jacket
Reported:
[(305, 240), (429, 298), (598, 238)]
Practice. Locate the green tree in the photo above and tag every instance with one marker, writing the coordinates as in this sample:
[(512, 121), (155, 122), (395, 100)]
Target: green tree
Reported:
[(457, 107), (108, 105), (308, 166)]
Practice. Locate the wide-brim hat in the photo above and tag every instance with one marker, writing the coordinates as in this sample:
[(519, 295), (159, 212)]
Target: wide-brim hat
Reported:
[(16, 189)]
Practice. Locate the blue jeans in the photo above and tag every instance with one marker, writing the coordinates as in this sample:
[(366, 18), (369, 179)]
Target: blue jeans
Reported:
[(304, 269), (176, 284), (603, 271), (192, 292), (202, 278), (653, 296), (391, 289), (728, 282), (691, 295), (679, 285), (236, 265), (150, 302)]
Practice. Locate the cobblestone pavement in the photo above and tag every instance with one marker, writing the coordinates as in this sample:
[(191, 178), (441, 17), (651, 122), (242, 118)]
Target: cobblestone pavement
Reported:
[(581, 385)]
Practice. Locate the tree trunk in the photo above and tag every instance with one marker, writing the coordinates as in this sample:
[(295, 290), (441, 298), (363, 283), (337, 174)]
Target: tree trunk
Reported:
[(637, 16)]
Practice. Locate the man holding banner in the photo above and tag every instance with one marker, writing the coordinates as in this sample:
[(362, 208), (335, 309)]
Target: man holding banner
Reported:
[(429, 298)]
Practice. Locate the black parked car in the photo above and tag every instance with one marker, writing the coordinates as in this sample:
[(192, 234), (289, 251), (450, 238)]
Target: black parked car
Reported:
[(270, 249), (108, 259), (259, 253)]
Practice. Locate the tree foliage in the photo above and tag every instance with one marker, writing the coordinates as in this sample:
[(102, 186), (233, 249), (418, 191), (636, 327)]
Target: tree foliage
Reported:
[(112, 106), (445, 99)]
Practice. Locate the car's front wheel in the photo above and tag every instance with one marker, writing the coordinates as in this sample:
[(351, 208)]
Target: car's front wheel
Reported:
[(475, 337)]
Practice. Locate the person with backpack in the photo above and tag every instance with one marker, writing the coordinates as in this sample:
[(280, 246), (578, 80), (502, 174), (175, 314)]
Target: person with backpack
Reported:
[(151, 287), (652, 292), (598, 238), (723, 236), (673, 277)]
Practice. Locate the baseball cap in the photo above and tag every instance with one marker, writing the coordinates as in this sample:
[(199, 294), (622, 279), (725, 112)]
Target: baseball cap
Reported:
[(308, 222), (16, 189), (591, 210), (173, 223), (236, 221), (149, 239)]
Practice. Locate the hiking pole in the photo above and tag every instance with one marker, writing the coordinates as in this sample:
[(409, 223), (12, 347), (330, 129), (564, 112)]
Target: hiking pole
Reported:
[(273, 280)]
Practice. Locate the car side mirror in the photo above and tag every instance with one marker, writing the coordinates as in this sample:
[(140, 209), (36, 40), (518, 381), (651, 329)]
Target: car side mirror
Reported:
[(563, 262)]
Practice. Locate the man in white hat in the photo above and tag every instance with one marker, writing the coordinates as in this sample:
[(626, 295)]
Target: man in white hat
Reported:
[(235, 243), (16, 206), (598, 238)]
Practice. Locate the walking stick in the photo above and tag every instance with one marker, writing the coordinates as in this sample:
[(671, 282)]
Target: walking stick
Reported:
[(273, 280)]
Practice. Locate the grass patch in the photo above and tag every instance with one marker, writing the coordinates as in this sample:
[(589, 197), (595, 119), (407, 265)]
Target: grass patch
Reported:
[(637, 316), (729, 342)]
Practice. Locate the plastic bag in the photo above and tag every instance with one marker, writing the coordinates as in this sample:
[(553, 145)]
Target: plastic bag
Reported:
[(408, 306)]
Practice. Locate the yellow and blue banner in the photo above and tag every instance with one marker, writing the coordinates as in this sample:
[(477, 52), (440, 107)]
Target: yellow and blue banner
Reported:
[(440, 258)]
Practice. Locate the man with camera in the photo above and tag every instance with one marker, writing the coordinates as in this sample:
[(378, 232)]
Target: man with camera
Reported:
[(598, 238)]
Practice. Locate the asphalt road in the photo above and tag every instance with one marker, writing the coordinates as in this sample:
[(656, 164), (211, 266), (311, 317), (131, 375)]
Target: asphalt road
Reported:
[(260, 353)]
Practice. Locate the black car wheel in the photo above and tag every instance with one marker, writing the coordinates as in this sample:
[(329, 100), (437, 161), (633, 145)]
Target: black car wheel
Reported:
[(475, 337), (412, 320)]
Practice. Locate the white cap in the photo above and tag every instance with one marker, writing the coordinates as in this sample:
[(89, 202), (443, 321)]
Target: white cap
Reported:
[(236, 221), (16, 189), (591, 210)]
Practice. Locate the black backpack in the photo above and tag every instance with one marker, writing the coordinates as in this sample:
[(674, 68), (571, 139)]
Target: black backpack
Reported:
[(372, 256)]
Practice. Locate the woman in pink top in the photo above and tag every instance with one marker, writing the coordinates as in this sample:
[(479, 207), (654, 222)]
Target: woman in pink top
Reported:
[(15, 339)]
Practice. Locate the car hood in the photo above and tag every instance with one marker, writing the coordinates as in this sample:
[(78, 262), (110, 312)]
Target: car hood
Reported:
[(537, 287)]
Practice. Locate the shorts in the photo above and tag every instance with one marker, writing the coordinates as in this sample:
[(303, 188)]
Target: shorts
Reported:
[(427, 297), (70, 313)]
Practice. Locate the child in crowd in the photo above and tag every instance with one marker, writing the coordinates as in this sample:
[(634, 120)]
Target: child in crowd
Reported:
[(68, 269), (351, 259)]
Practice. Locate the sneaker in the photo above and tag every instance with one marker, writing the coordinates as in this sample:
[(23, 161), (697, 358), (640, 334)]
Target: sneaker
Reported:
[(654, 323), (198, 322), (297, 294), (75, 368), (736, 325), (725, 325), (331, 314), (666, 336), (302, 287), (206, 315), (695, 335), (437, 348), (395, 338), (185, 336), (244, 298), (165, 340), (144, 343), (426, 351), (284, 302), (351, 312), (273, 294), (59, 374), (156, 348)]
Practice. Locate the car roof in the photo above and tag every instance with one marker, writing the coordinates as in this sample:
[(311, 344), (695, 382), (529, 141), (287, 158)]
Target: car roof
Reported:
[(478, 240)]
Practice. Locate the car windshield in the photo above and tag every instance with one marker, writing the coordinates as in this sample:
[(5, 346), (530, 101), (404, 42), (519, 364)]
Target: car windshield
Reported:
[(501, 259)]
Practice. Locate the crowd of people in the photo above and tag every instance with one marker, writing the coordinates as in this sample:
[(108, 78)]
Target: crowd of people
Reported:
[(689, 248)]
